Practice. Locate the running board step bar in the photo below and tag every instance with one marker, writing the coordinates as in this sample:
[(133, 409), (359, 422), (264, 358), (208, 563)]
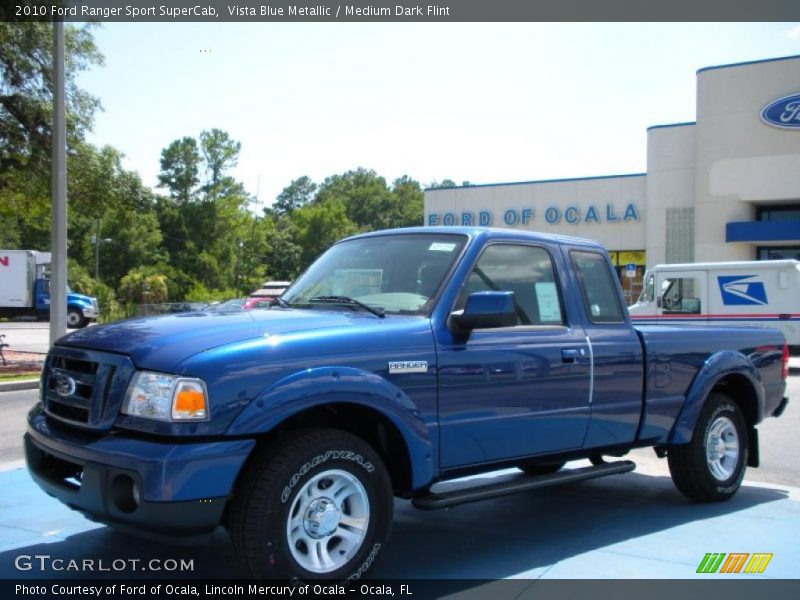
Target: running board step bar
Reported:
[(519, 484)]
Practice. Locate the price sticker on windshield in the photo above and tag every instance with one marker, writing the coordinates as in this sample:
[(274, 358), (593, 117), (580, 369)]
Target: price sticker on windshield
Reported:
[(442, 247)]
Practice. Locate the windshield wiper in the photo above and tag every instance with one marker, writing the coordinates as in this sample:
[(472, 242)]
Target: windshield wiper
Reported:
[(280, 302), (347, 300)]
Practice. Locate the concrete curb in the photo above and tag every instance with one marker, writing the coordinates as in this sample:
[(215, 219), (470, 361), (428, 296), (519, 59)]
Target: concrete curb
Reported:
[(22, 384)]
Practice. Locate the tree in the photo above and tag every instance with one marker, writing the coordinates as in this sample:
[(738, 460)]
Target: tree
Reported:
[(220, 154), (135, 242), (319, 226), (409, 202), (284, 252), (26, 92), (180, 165), (445, 183), (143, 286), (364, 195), (296, 195)]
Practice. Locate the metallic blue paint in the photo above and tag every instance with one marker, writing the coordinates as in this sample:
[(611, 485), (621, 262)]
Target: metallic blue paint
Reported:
[(169, 472), (488, 395)]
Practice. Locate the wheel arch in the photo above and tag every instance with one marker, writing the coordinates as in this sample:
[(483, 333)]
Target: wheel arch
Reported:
[(730, 373), (352, 400)]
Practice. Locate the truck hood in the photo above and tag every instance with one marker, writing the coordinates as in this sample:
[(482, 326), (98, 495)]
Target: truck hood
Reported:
[(79, 298), (162, 343)]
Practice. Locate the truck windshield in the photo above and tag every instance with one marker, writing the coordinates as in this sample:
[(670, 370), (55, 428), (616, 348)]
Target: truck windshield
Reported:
[(398, 273), (648, 291)]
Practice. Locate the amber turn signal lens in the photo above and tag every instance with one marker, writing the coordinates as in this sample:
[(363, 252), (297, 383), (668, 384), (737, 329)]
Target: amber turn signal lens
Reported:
[(189, 402)]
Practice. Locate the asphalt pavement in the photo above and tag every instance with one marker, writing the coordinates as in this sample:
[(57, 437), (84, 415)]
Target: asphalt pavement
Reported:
[(625, 526), (27, 336)]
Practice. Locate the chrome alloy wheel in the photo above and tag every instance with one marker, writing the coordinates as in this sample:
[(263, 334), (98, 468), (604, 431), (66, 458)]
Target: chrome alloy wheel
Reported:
[(327, 521), (722, 448)]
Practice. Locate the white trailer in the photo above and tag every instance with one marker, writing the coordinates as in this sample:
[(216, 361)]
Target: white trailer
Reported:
[(751, 293), (19, 270)]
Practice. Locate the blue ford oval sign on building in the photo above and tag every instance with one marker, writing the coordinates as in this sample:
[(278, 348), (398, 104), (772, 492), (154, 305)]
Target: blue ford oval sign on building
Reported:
[(783, 112)]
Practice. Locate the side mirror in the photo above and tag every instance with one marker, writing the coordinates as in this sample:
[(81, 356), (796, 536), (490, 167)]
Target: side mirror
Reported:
[(485, 310)]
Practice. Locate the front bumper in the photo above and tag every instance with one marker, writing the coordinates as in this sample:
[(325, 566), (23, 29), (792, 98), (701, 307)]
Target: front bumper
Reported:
[(181, 489), (90, 312)]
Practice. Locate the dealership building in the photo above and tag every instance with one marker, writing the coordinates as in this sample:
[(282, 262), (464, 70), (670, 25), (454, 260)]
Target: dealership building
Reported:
[(726, 187)]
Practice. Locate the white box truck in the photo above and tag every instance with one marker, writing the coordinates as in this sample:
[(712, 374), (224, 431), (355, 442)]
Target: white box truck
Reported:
[(751, 293), (25, 289)]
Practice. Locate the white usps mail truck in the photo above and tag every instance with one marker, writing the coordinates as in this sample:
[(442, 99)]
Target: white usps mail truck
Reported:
[(753, 293)]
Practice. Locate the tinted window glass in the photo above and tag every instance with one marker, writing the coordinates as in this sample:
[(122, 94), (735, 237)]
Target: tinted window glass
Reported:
[(525, 270), (398, 273), (600, 296)]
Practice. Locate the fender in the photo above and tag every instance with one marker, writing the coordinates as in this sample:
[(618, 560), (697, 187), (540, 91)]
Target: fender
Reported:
[(713, 370), (333, 384)]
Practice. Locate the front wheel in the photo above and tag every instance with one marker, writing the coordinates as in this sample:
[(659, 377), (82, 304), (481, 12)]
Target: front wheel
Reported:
[(711, 467), (75, 318), (316, 504)]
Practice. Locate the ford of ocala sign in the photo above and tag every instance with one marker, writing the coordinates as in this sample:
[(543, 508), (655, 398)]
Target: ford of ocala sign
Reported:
[(783, 112)]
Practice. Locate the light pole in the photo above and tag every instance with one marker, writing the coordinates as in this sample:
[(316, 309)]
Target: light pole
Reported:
[(238, 271), (96, 241), (58, 234)]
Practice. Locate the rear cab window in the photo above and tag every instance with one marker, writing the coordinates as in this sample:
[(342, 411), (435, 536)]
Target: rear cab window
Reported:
[(599, 292)]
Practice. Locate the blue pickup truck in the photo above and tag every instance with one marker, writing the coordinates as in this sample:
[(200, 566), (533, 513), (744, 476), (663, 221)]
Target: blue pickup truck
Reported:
[(399, 359)]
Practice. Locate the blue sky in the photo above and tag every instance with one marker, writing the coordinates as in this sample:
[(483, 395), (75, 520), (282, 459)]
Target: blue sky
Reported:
[(466, 101)]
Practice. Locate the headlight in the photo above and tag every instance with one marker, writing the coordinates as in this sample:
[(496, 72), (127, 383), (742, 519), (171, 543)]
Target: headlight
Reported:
[(166, 398)]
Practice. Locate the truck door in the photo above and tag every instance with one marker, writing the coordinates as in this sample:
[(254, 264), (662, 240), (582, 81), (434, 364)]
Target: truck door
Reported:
[(520, 390), (682, 295), (617, 357)]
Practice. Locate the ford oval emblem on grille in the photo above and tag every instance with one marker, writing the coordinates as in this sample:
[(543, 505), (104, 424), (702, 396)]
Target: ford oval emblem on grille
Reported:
[(65, 385)]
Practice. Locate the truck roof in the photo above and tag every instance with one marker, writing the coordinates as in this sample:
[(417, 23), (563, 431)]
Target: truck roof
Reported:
[(488, 233), (731, 265)]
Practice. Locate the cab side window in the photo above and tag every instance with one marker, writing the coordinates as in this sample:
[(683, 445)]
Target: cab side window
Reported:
[(600, 295), (525, 270)]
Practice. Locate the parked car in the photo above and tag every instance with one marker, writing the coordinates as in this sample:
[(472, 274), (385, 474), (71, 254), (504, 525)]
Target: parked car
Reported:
[(232, 305), (399, 359), (269, 291)]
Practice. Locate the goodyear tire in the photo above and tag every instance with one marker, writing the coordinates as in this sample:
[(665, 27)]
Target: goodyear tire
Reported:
[(316, 504), (711, 467)]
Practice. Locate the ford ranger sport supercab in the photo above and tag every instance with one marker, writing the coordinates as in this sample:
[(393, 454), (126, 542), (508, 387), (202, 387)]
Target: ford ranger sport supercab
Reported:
[(399, 359)]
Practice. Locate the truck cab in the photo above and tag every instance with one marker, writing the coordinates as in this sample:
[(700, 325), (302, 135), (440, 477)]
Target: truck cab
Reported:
[(81, 309)]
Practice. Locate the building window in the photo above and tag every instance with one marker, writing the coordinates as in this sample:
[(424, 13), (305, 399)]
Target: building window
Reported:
[(778, 252), (779, 213)]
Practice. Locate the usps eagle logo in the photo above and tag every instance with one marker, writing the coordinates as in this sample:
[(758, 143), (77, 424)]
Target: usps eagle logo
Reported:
[(742, 290)]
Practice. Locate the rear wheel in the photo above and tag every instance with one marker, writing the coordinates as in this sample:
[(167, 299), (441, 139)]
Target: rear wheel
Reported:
[(314, 505), (711, 467)]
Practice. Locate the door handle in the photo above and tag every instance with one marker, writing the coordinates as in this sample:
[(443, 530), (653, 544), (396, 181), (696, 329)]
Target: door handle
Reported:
[(569, 355)]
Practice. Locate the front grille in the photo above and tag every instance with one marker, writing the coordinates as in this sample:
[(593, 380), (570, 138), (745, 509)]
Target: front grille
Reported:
[(83, 387), (70, 413)]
